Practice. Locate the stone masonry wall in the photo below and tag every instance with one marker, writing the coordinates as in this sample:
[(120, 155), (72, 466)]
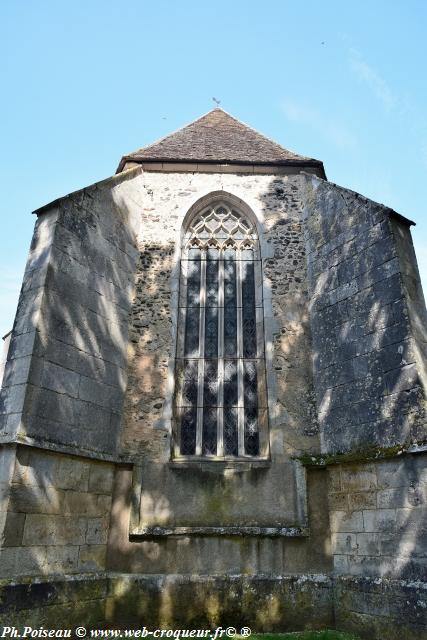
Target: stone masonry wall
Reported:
[(379, 517), (369, 367), (379, 544), (165, 199), (220, 498), (57, 514)]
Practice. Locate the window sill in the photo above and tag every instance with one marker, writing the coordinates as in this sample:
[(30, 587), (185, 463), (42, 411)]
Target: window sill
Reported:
[(215, 464)]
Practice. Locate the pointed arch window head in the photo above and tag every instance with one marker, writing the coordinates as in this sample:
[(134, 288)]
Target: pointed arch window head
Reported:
[(220, 396)]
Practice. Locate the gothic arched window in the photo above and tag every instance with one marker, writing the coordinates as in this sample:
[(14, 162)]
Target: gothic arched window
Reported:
[(220, 396)]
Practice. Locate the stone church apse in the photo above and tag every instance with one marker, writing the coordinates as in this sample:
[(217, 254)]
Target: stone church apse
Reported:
[(213, 404)]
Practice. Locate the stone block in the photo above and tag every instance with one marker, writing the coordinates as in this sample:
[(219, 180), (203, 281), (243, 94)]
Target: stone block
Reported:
[(101, 478), (401, 497), (59, 379), (97, 531), (344, 543), (68, 242), (362, 500), (22, 345), (35, 499), (104, 504), (100, 394), (388, 290), (101, 370), (401, 379), (341, 564), (17, 371), (334, 478), (30, 560), (358, 478), (411, 518), (62, 559), (61, 354), (12, 399), (52, 406), (92, 557), (380, 520), (72, 473), (54, 530), (381, 272), (7, 561), (13, 529), (342, 521), (80, 503), (338, 501), (7, 464), (368, 544)]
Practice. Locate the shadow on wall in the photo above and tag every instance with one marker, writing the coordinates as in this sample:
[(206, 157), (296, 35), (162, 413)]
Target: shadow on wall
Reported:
[(70, 335), (75, 305), (366, 300), (64, 385), (293, 428)]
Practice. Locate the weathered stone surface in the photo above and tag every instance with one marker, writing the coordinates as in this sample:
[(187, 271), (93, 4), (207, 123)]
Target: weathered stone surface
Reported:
[(365, 350), (345, 344)]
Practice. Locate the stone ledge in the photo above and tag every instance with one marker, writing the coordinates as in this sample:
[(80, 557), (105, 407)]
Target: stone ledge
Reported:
[(361, 455), (267, 532)]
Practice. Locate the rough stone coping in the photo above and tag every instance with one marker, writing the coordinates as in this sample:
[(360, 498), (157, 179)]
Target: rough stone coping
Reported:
[(266, 532), (324, 578), (47, 445), (361, 455)]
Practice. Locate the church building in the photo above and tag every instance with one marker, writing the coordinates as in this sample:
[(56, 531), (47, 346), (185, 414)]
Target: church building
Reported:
[(213, 409)]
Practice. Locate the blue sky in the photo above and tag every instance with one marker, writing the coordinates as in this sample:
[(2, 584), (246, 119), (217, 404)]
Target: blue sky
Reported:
[(85, 82)]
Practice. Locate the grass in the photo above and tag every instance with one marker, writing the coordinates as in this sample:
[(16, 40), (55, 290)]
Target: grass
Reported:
[(305, 635)]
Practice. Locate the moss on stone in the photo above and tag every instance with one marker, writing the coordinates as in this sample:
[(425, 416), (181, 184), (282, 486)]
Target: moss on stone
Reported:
[(358, 455)]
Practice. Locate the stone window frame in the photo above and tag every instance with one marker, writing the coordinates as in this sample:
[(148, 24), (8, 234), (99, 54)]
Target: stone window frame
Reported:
[(265, 251)]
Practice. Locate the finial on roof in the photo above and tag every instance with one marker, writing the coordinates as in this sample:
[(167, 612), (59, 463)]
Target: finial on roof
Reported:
[(217, 102)]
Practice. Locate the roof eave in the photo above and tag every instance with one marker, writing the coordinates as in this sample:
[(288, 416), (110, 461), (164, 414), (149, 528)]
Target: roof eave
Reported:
[(318, 164)]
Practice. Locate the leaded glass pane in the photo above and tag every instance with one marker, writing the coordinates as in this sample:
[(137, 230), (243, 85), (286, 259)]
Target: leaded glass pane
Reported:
[(190, 383), (251, 432), (229, 253), (247, 254), (211, 332), (230, 432), (249, 332), (212, 253), (230, 383), (194, 254), (229, 283), (250, 383), (210, 383), (248, 284), (188, 431), (209, 437), (191, 347), (212, 283), (230, 332), (193, 283)]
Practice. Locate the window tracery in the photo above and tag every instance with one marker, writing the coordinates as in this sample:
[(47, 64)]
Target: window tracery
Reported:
[(220, 399)]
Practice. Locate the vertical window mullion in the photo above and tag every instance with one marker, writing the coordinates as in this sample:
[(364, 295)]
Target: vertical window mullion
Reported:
[(220, 433), (240, 394), (201, 370)]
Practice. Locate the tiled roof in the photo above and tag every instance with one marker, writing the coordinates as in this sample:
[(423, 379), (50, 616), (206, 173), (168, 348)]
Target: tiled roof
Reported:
[(217, 137)]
